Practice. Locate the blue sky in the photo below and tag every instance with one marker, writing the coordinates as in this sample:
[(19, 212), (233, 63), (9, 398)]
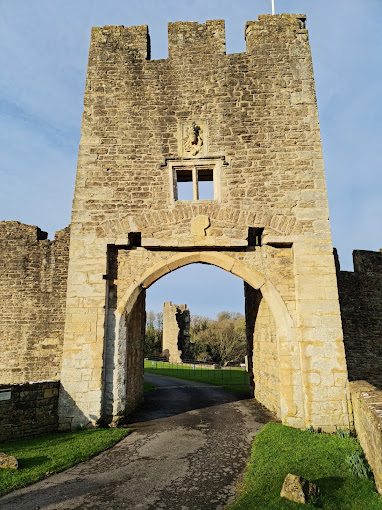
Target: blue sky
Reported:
[(44, 46)]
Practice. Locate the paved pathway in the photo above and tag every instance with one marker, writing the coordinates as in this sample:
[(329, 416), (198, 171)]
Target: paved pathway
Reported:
[(189, 447)]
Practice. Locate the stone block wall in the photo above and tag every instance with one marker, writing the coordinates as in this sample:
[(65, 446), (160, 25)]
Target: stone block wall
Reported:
[(266, 360), (135, 329), (28, 409), (262, 350), (367, 412), (33, 280), (360, 295), (257, 108)]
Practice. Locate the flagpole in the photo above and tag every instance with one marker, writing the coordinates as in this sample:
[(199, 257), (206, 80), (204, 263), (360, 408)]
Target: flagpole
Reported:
[(273, 7)]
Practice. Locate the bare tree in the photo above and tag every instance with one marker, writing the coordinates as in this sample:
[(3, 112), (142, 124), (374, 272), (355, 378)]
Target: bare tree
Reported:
[(222, 341), (154, 333)]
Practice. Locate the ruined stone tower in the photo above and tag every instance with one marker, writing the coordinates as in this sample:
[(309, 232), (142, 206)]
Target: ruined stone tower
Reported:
[(176, 333), (245, 128)]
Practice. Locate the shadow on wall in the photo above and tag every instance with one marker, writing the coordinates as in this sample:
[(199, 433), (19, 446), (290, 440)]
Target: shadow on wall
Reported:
[(74, 417)]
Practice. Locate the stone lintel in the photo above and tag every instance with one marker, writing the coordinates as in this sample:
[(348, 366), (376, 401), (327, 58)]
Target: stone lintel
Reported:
[(193, 241)]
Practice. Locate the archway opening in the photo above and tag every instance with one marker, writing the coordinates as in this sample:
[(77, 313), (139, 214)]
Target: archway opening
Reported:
[(197, 305), (228, 327), (124, 342)]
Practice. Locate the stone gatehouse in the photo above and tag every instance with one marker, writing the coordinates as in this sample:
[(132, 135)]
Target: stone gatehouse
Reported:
[(245, 128)]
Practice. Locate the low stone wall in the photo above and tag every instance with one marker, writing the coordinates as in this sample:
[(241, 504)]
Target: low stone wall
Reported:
[(367, 410), (28, 409)]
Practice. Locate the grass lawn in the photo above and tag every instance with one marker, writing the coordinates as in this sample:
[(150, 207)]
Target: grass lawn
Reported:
[(230, 379), (51, 453), (278, 450)]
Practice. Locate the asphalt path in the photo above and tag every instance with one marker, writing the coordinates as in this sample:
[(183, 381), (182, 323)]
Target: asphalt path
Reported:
[(188, 449)]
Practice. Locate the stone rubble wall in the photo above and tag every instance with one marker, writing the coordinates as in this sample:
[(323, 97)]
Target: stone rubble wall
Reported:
[(30, 410), (360, 295), (367, 412), (33, 281), (171, 333)]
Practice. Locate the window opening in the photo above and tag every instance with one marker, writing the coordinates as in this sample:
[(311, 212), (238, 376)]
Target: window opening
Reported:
[(206, 184), (184, 184), (254, 236), (195, 184), (135, 239)]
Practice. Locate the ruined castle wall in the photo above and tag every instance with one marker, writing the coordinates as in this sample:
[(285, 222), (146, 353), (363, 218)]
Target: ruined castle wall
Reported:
[(33, 279), (171, 332), (361, 312), (183, 318), (176, 333)]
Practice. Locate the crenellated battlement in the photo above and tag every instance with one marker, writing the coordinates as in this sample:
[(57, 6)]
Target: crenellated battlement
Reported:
[(18, 231), (187, 39), (271, 29), (191, 38), (109, 41), (367, 262)]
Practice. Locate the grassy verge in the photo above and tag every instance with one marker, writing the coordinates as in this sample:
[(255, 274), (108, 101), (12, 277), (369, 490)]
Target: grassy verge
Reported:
[(51, 453), (278, 450), (230, 379)]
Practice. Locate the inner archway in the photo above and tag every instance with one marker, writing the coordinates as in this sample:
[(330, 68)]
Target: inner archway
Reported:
[(129, 312), (196, 315)]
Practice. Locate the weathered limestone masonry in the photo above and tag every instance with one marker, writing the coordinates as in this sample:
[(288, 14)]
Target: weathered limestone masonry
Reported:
[(367, 412), (176, 333), (33, 279), (247, 124), (28, 409), (263, 350), (361, 312)]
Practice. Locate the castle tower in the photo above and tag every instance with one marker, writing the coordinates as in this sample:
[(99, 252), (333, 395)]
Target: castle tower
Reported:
[(203, 157)]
